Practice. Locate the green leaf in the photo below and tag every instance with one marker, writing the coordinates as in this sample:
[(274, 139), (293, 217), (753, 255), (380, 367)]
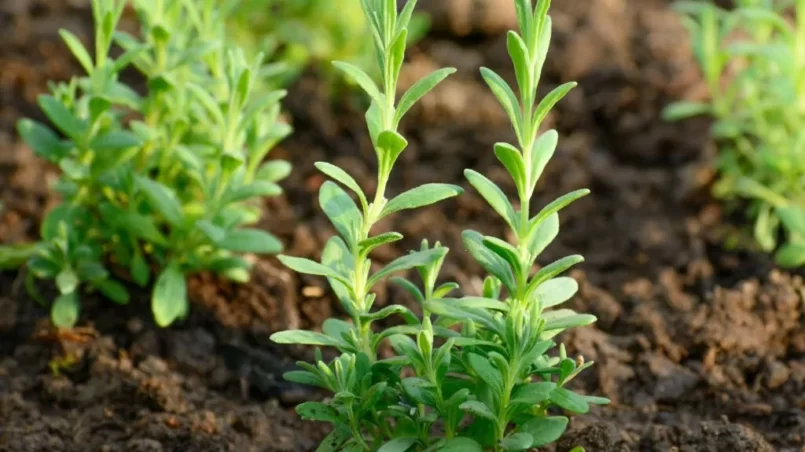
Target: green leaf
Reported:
[(478, 409), (398, 445), (379, 240), (409, 287), (113, 290), (506, 97), (556, 291), (61, 117), (520, 60), (791, 255), (115, 140), (163, 199), (250, 241), (341, 210), (14, 256), (388, 311), (207, 101), (64, 312), (684, 110), (42, 140), (511, 158), (90, 271), (317, 411), (569, 400), (793, 218), (140, 271), (541, 153), (479, 303), (541, 234), (169, 299), (493, 195), (486, 372), (257, 188), (78, 50), (335, 440), (343, 177), (562, 319), (560, 203), (551, 270), (362, 79), (545, 430), (67, 281), (415, 259), (461, 444), (303, 377), (389, 145), (766, 228), (423, 195), (274, 171), (419, 89), (309, 267), (304, 337), (533, 393), (491, 262), (506, 251), (549, 101), (517, 441)]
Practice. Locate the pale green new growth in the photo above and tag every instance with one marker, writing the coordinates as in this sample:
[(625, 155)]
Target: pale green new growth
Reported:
[(482, 378)]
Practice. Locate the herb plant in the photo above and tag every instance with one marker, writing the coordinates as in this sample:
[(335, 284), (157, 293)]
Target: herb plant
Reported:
[(158, 185), (753, 61), (471, 373)]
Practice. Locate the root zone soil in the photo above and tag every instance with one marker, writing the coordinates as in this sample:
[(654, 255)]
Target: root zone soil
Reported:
[(700, 348)]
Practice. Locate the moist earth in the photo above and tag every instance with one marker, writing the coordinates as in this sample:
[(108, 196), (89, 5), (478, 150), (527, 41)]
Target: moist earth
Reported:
[(700, 346)]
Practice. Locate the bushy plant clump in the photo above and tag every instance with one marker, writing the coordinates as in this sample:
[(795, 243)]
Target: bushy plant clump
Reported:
[(160, 182), (469, 373), (753, 61)]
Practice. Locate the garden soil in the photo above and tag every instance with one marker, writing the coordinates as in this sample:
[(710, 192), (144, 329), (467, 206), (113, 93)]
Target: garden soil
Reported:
[(701, 347)]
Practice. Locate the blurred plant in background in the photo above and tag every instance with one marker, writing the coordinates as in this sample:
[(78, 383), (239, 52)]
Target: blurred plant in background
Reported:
[(753, 60), (301, 33), (156, 185)]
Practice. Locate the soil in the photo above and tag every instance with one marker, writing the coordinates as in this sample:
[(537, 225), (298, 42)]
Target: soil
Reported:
[(700, 347)]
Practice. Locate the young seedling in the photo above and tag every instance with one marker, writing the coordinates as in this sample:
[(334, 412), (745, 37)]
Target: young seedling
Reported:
[(470, 373), (753, 60), (161, 185)]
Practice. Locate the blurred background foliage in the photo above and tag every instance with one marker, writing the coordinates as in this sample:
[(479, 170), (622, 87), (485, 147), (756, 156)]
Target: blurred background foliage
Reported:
[(298, 35)]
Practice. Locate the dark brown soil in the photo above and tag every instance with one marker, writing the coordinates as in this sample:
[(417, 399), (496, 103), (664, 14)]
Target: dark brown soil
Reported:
[(700, 348)]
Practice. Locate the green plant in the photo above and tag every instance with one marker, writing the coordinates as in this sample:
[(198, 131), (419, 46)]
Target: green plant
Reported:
[(305, 32), (470, 373), (753, 60), (159, 185)]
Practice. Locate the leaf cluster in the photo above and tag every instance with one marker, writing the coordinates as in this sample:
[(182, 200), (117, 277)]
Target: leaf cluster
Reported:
[(469, 373), (753, 60), (159, 184)]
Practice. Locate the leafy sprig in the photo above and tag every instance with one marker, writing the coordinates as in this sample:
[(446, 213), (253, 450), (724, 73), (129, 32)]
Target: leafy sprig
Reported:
[(753, 61), (471, 373)]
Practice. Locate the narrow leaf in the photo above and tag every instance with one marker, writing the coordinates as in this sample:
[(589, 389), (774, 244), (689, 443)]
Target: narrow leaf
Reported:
[(415, 259), (419, 89), (163, 199), (423, 195), (343, 177), (362, 79), (493, 195), (250, 241), (169, 300)]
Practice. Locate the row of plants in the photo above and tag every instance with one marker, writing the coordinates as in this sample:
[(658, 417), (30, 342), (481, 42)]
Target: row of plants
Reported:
[(163, 176)]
